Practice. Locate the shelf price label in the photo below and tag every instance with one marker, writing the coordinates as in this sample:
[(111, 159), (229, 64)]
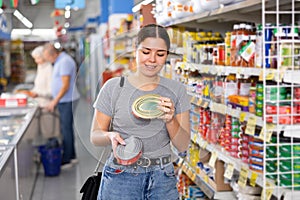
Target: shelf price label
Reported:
[(204, 144), (205, 178), (184, 167), (229, 171), (269, 130), (253, 179), (270, 75), (199, 102), (242, 116), (189, 172), (194, 100), (267, 192), (180, 162), (193, 177), (205, 69), (213, 159), (250, 128), (195, 138), (243, 177)]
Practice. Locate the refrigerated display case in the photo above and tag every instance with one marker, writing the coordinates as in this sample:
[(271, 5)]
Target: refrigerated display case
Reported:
[(18, 166)]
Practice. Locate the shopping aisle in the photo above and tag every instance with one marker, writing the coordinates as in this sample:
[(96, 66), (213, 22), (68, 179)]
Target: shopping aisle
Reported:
[(67, 185)]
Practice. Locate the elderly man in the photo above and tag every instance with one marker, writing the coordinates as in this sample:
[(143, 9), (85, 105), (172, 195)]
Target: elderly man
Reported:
[(65, 95)]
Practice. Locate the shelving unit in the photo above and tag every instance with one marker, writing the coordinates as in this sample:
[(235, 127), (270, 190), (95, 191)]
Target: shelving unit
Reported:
[(221, 20), (18, 68), (262, 12)]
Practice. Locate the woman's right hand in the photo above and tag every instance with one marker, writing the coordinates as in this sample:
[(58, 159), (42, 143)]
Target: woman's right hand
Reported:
[(115, 139)]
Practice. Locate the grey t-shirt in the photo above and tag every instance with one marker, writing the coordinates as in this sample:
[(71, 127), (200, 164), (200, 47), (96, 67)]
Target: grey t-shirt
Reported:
[(153, 132)]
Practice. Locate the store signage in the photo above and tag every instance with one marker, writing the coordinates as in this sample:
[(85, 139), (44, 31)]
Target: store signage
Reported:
[(74, 4)]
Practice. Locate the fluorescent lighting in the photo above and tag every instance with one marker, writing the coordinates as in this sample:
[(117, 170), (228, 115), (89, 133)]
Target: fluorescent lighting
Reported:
[(67, 14), (138, 6), (67, 25), (57, 45), (21, 32), (23, 19), (34, 34), (18, 15)]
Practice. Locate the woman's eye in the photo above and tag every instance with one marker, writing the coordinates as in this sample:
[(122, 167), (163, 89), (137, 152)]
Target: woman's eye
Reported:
[(161, 54), (145, 52)]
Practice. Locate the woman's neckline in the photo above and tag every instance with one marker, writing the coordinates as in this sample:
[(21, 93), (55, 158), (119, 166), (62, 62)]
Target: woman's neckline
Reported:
[(142, 90)]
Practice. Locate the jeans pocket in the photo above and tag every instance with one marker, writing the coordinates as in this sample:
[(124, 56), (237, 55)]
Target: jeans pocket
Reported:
[(169, 171), (113, 171)]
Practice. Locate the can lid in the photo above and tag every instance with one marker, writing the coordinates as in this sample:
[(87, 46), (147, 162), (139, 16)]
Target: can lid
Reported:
[(146, 106), (131, 150)]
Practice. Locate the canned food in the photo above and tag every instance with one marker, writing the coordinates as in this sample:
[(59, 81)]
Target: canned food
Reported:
[(259, 96), (282, 90), (259, 112), (259, 103), (275, 96), (260, 87)]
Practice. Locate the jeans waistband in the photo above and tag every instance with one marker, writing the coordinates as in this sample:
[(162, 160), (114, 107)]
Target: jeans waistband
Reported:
[(146, 162)]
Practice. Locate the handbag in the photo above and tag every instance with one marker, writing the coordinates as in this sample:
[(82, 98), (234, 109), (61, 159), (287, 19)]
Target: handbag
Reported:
[(91, 186)]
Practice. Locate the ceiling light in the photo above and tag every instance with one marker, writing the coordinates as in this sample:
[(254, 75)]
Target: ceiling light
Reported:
[(67, 14), (57, 45), (67, 25), (23, 19)]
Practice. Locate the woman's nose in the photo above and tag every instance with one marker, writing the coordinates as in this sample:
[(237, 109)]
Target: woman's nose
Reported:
[(152, 57)]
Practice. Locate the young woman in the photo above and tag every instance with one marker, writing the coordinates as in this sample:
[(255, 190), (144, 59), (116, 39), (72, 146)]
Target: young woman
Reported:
[(152, 176)]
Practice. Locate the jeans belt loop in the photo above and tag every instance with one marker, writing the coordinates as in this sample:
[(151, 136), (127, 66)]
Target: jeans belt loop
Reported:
[(161, 163)]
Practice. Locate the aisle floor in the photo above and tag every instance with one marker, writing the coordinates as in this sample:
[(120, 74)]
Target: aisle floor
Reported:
[(67, 185)]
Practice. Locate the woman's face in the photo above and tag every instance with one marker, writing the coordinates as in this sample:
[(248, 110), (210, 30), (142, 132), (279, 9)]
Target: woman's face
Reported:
[(151, 56), (38, 60)]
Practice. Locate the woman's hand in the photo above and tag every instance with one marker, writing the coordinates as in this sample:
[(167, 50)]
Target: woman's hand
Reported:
[(115, 139), (167, 106)]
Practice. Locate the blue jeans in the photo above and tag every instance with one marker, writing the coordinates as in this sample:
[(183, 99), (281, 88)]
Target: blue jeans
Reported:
[(140, 183), (66, 128)]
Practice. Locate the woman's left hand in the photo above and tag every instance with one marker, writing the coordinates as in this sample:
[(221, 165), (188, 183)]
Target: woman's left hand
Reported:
[(167, 106)]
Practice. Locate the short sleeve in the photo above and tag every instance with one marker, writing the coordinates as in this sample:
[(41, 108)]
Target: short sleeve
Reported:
[(103, 102), (183, 103), (66, 68)]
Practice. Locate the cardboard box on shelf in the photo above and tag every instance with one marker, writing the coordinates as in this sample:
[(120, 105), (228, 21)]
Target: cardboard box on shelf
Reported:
[(217, 183)]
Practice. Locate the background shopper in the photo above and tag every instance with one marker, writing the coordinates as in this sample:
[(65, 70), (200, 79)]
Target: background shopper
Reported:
[(65, 95), (42, 82), (157, 180)]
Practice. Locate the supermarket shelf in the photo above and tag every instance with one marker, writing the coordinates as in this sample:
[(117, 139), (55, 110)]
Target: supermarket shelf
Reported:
[(212, 15), (126, 35), (223, 109), (203, 183), (287, 76), (238, 165), (291, 76), (240, 11), (125, 53), (291, 130), (220, 70)]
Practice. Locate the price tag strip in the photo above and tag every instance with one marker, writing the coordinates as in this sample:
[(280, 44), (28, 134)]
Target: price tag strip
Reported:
[(269, 130), (213, 159), (243, 177), (251, 124), (229, 171)]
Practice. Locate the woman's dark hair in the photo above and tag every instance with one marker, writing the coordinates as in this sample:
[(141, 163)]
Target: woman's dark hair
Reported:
[(154, 31)]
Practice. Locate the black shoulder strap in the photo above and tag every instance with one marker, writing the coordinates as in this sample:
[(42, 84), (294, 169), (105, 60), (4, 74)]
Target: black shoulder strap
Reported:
[(122, 81)]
